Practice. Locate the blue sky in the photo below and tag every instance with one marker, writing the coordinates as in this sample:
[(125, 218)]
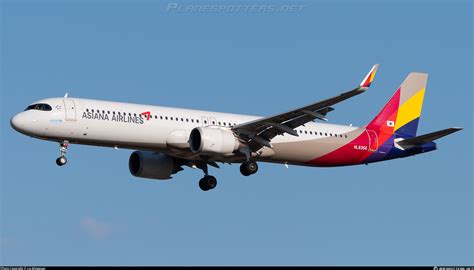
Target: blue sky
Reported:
[(413, 211)]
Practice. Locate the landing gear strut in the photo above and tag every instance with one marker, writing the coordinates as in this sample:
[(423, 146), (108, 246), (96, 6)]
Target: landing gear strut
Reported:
[(62, 160), (248, 168), (208, 182)]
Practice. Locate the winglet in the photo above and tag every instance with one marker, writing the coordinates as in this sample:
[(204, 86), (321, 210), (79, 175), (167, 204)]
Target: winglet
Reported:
[(370, 77)]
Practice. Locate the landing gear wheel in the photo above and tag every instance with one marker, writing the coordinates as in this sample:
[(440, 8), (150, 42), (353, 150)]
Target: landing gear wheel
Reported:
[(208, 182), (243, 170), (61, 161), (248, 168)]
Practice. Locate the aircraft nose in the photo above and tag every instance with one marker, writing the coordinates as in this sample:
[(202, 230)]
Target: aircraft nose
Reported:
[(17, 122)]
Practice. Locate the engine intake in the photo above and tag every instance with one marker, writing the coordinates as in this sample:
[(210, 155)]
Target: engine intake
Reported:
[(208, 140), (152, 165)]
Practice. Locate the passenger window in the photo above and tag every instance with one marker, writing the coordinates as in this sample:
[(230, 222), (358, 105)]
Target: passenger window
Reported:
[(108, 112), (197, 121)]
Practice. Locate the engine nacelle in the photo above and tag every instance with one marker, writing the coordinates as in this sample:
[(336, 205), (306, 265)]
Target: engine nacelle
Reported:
[(152, 165), (208, 140)]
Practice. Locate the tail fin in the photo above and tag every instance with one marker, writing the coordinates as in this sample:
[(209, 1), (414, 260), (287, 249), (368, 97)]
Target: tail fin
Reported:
[(401, 114)]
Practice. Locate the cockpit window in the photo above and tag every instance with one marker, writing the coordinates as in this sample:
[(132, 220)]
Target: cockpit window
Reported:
[(39, 107)]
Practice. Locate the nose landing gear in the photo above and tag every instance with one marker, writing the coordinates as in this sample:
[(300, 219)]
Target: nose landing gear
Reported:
[(62, 160)]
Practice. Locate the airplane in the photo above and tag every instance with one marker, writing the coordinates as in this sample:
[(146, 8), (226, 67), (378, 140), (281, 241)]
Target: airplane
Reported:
[(166, 139)]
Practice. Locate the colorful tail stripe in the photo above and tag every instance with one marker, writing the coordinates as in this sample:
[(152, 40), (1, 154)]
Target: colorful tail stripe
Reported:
[(409, 113), (403, 120), (398, 119)]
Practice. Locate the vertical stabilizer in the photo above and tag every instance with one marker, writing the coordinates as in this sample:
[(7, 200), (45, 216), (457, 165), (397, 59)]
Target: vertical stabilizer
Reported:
[(401, 114)]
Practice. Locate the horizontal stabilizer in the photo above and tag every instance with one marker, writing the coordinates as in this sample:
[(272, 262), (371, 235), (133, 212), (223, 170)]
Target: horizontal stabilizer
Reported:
[(419, 140)]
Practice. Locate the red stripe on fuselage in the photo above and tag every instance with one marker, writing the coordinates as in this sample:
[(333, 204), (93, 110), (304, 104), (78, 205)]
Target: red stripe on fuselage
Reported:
[(357, 150)]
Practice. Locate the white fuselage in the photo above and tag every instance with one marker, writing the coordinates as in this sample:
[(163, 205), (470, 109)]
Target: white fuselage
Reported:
[(165, 129)]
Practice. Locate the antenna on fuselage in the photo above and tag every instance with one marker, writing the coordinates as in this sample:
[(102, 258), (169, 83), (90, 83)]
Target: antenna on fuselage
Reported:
[(65, 95)]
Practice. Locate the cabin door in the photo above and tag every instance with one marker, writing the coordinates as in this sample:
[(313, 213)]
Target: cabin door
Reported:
[(70, 109)]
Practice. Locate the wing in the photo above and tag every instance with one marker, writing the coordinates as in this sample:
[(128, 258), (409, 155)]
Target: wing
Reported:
[(260, 132)]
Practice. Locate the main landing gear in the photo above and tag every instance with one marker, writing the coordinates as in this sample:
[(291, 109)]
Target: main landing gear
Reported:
[(208, 182), (62, 160), (248, 168)]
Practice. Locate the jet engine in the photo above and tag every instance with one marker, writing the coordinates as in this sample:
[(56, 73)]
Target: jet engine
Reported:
[(152, 165), (207, 140)]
